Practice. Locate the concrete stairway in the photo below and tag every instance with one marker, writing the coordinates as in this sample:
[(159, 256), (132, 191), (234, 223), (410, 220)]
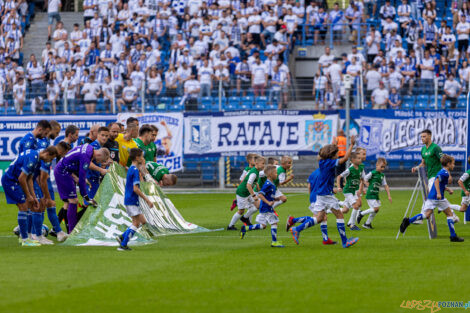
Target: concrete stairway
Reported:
[(36, 37)]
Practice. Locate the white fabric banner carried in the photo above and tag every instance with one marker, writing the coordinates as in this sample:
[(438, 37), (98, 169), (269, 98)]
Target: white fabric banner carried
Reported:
[(170, 135), (273, 133)]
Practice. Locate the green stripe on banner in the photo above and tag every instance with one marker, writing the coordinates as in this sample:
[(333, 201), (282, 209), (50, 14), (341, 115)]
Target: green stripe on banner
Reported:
[(99, 226)]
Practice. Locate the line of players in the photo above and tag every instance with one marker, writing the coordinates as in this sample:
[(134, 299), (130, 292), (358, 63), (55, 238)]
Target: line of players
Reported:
[(27, 182), (259, 191)]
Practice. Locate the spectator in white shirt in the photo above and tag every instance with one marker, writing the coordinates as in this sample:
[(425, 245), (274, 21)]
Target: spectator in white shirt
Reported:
[(69, 88), (259, 77), (452, 91), (90, 92), (372, 79), (205, 75), (129, 96), (52, 95), (380, 97), (53, 7), (463, 29), (192, 89), (19, 95)]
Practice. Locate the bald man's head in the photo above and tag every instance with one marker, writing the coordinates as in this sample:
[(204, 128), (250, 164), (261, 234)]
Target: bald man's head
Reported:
[(94, 132)]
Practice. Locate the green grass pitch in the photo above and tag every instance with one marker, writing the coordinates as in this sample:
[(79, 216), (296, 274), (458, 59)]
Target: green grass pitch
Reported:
[(218, 272)]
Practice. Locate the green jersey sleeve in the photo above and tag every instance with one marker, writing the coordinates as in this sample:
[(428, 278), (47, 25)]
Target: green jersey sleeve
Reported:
[(156, 170)]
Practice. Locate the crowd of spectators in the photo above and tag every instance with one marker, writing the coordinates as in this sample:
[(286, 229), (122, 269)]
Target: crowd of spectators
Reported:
[(410, 49), (126, 50)]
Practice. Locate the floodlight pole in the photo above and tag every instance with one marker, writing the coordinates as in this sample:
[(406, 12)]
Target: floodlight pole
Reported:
[(348, 115)]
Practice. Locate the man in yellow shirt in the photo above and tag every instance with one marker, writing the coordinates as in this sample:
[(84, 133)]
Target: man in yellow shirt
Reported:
[(126, 143)]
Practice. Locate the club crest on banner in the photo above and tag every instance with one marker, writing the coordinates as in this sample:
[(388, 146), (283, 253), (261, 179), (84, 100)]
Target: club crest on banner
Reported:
[(200, 134), (370, 134), (318, 132)]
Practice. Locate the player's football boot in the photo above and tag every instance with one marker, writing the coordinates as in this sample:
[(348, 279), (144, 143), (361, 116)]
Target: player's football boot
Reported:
[(231, 227), (124, 248), (277, 244), (61, 236), (404, 224), (329, 242), (234, 205), (242, 232), (30, 243), (456, 239), (359, 217), (290, 222), (354, 227), (44, 241), (245, 221), (295, 235), (351, 242), (368, 226)]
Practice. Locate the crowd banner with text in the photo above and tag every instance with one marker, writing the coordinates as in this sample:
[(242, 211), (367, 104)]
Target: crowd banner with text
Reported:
[(13, 128), (170, 135), (266, 132), (395, 134)]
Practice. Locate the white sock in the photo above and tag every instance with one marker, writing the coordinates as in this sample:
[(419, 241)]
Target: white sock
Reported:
[(277, 203), (235, 219), (353, 217), (455, 207), (368, 211), (371, 217), (250, 212)]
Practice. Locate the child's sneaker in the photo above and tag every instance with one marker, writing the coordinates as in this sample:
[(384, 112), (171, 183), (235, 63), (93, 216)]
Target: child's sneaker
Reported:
[(234, 205), (242, 232), (295, 235), (368, 226), (30, 243), (329, 242), (290, 222), (277, 244), (350, 242), (124, 248), (359, 217), (354, 227)]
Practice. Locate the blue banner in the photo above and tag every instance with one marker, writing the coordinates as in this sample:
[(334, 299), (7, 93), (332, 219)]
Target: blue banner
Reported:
[(395, 134)]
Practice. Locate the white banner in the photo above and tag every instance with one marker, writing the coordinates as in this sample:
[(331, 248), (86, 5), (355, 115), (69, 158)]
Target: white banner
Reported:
[(13, 128), (170, 135), (269, 133)]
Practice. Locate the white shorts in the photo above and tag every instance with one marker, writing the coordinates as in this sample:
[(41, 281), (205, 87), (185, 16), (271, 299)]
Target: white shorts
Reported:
[(133, 210), (372, 203), (349, 200), (267, 218), (441, 205), (245, 202), (278, 193), (324, 203), (466, 201)]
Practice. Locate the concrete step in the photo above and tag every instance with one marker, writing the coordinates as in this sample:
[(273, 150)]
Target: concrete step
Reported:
[(36, 37)]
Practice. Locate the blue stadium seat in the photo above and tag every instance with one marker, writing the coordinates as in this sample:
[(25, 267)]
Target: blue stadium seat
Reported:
[(261, 101), (247, 102), (462, 102), (408, 102), (422, 102)]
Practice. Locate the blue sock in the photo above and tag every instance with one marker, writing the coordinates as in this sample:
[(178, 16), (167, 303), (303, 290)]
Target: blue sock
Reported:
[(341, 230), (309, 222), (416, 218), (274, 233), (450, 222), (128, 235), (37, 223), (52, 215), (30, 222), (254, 227), (324, 231), (23, 224), (299, 219)]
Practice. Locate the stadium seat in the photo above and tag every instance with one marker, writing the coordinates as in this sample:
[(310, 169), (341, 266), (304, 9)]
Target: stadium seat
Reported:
[(261, 101), (462, 102), (408, 102), (246, 102)]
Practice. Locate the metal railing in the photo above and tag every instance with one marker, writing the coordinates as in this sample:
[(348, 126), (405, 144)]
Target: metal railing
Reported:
[(347, 33)]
